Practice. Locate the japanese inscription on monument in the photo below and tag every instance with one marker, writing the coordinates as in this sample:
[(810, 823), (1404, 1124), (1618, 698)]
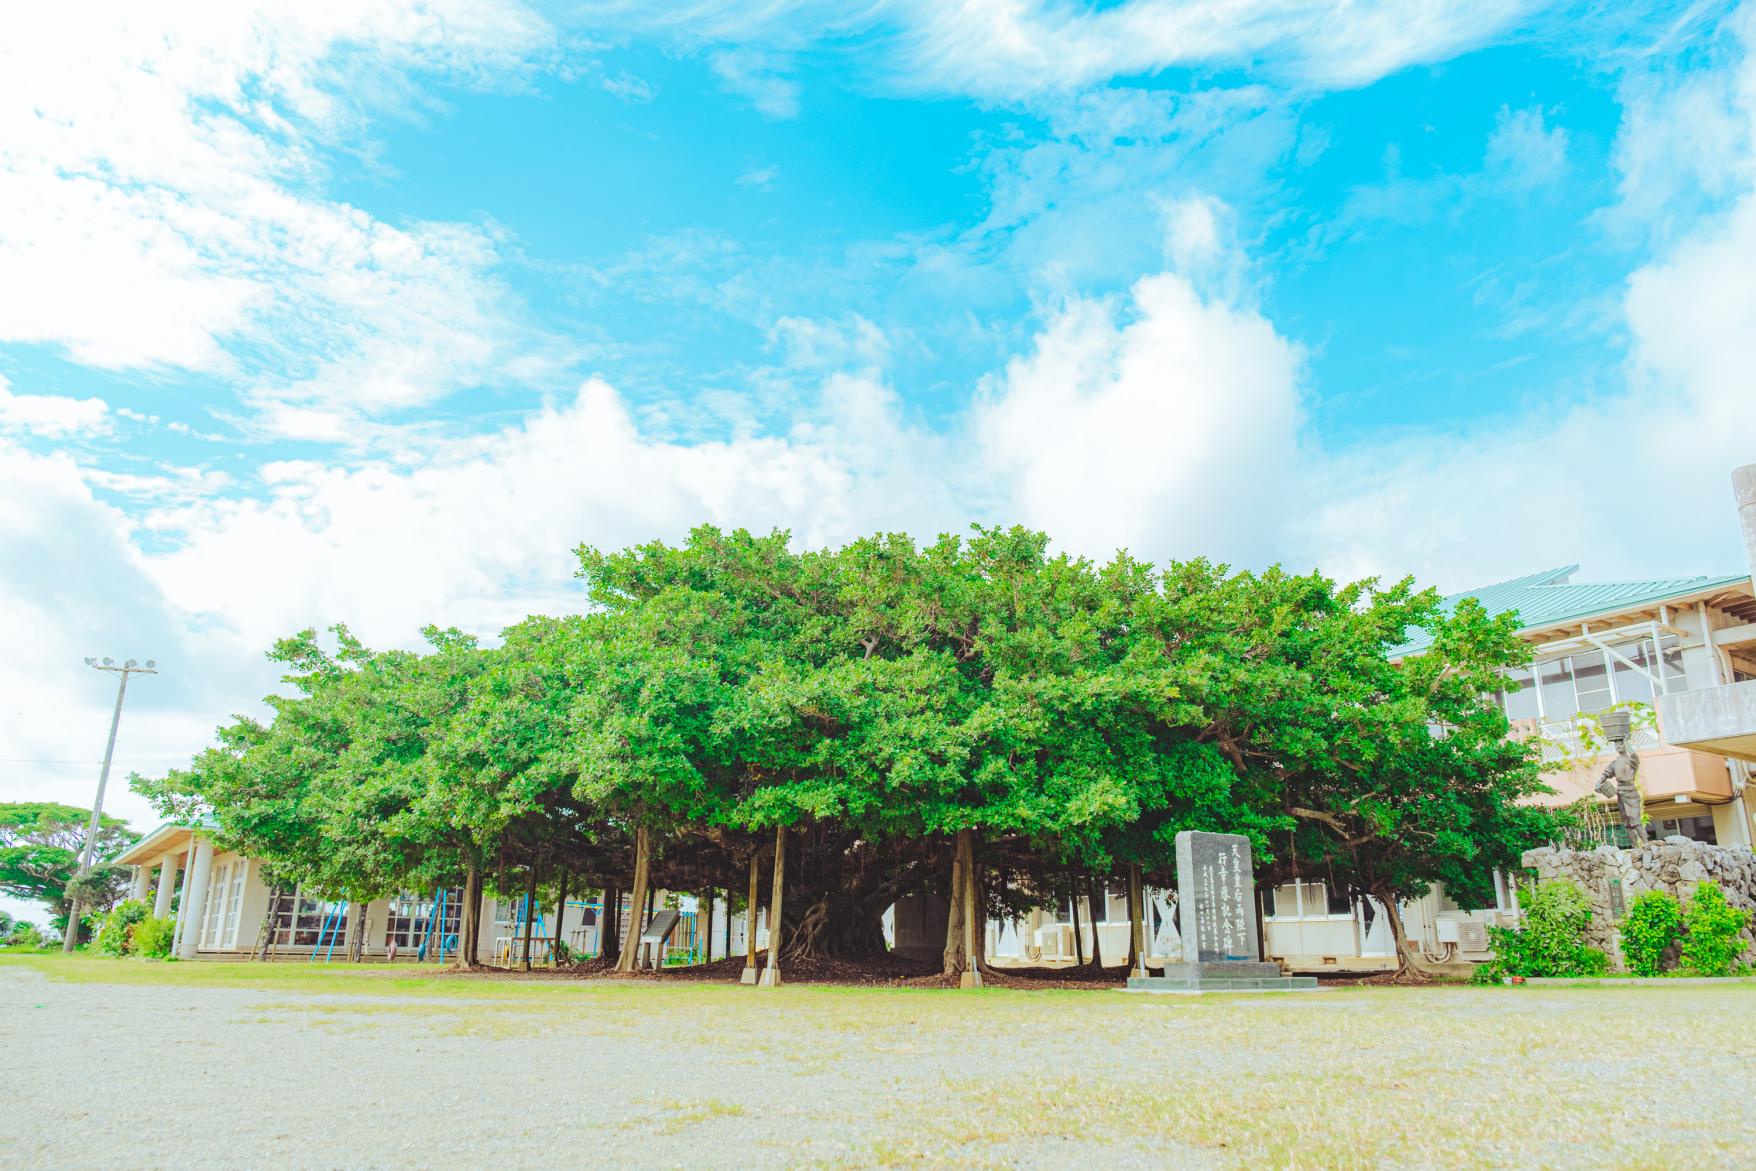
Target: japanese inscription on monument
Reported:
[(1216, 896)]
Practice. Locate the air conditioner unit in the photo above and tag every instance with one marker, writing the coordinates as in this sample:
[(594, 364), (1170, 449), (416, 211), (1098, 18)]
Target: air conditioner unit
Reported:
[(1464, 934), (1472, 935), (1055, 942)]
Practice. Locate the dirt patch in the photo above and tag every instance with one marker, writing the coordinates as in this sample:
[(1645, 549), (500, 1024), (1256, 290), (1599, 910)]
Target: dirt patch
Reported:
[(883, 971)]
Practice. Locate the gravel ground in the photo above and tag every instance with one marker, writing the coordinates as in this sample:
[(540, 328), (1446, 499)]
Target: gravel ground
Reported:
[(163, 1065)]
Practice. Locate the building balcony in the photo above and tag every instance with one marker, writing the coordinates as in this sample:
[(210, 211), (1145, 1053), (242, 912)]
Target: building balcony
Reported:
[(1713, 719)]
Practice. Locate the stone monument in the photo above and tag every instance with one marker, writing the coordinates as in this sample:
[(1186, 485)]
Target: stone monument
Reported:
[(1216, 917)]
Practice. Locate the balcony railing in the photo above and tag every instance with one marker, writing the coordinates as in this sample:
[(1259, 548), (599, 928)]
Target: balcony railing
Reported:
[(1578, 738)]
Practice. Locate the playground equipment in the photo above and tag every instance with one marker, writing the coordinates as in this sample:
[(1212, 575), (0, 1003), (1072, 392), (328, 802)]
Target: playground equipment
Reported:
[(507, 948), (434, 940), (335, 925)]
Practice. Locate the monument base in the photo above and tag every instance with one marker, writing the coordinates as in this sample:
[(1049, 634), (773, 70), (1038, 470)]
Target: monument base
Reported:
[(1222, 976)]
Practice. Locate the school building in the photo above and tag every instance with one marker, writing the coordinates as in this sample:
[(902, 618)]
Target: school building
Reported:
[(226, 909)]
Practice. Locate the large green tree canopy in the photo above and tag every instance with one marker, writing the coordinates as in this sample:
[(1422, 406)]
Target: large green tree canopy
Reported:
[(1057, 719)]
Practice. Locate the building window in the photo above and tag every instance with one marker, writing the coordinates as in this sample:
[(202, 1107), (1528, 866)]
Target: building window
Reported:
[(235, 907), (1699, 828), (300, 920), (1556, 689), (213, 917), (1304, 900), (411, 919), (1103, 908), (1519, 701), (1593, 681)]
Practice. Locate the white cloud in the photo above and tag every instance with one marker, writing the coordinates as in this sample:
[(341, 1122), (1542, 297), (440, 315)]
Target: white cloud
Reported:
[(1008, 49), (815, 343), (1683, 146), (761, 178), (1525, 152), (627, 87), (479, 531), (73, 584), (159, 173), (51, 416), (758, 78), (1166, 423)]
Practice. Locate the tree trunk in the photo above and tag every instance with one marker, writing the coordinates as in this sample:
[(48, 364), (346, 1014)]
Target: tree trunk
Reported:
[(1078, 943), (530, 912), (953, 956), (1092, 898), (749, 976), (481, 908), (728, 947), (642, 869), (560, 920), (1406, 959), (610, 925), (771, 974), (357, 950), (470, 917)]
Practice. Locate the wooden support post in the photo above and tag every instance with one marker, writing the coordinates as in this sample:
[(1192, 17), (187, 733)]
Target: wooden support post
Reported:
[(560, 918), (1136, 919), (749, 976), (771, 974), (972, 967)]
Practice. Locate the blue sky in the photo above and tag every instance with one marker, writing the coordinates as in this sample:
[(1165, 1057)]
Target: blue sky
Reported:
[(372, 311)]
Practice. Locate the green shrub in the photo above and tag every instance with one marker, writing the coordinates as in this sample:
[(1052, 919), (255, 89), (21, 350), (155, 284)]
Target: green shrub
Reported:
[(26, 936), (116, 930), (152, 937), (1653, 924), (1712, 940), (1549, 941)]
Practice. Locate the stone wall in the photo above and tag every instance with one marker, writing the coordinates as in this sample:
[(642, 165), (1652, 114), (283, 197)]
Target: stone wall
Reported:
[(1675, 865)]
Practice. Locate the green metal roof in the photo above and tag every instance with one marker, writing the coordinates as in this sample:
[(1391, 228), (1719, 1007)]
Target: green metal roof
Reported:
[(1549, 599)]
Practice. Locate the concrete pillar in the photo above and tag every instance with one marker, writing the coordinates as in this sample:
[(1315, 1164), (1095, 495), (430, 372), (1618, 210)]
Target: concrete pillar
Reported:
[(137, 888), (161, 903), (1744, 489), (194, 900)]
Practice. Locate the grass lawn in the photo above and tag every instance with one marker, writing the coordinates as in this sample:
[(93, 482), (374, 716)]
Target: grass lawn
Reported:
[(710, 1075)]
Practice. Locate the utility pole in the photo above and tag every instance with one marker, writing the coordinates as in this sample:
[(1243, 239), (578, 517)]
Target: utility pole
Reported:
[(70, 937)]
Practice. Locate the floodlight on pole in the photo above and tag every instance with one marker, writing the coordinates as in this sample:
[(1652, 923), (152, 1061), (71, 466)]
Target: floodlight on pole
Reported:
[(131, 667)]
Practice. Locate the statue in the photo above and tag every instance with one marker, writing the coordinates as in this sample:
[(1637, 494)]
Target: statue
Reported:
[(1617, 783)]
